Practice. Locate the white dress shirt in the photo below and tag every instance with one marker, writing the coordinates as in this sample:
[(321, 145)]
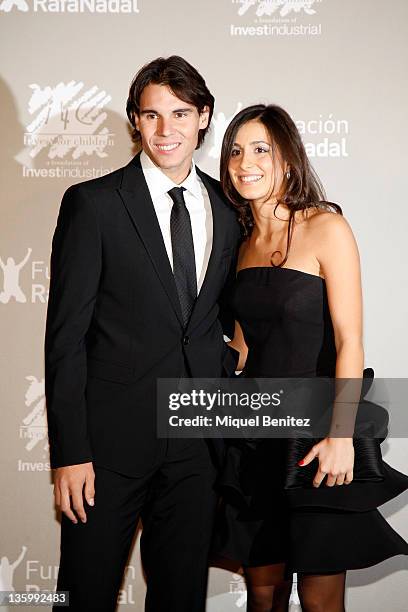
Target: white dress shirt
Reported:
[(197, 203)]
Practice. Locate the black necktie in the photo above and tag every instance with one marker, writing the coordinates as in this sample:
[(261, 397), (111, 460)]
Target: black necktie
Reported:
[(184, 269)]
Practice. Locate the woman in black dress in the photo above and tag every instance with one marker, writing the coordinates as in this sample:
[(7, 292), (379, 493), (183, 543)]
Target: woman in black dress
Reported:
[(298, 309)]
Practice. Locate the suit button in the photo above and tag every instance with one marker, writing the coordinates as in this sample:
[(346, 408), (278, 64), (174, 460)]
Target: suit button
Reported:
[(186, 340)]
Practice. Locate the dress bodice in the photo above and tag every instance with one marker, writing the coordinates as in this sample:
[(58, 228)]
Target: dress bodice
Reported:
[(285, 319)]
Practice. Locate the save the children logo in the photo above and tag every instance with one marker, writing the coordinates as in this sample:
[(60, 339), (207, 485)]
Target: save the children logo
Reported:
[(71, 6), (8, 5), (284, 7), (68, 127), (276, 18), (33, 427), (238, 588)]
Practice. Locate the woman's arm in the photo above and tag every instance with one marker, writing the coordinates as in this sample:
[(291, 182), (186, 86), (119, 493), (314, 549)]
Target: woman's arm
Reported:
[(238, 343), (339, 261)]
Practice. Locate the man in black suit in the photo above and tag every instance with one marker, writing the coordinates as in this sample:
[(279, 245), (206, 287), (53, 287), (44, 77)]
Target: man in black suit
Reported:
[(140, 260)]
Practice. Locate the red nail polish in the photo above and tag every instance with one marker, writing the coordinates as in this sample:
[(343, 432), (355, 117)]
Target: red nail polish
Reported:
[(301, 462)]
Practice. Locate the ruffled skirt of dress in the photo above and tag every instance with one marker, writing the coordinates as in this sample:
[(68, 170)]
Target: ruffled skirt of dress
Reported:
[(312, 530)]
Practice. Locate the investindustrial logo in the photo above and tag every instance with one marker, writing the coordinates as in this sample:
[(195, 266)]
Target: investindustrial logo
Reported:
[(70, 6), (257, 18), (67, 135)]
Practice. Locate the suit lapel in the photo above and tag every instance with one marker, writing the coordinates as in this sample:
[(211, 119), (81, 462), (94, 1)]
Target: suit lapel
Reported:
[(138, 202), (136, 197), (205, 295)]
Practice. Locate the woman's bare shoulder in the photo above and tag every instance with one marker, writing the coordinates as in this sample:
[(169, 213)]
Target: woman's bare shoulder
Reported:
[(323, 220)]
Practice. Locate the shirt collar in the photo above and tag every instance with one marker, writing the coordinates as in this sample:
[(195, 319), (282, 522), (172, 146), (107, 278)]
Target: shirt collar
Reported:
[(159, 184)]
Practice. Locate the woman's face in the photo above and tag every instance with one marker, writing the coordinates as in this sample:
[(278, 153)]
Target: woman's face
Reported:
[(255, 168)]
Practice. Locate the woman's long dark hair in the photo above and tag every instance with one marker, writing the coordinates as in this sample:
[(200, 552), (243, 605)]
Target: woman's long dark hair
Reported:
[(301, 190)]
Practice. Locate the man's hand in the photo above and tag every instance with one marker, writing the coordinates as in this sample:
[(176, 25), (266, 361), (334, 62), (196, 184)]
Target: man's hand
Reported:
[(69, 482)]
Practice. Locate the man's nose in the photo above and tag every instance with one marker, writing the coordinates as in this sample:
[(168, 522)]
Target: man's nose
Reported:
[(164, 126)]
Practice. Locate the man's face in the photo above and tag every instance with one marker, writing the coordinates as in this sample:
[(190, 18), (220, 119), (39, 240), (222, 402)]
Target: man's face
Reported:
[(169, 129)]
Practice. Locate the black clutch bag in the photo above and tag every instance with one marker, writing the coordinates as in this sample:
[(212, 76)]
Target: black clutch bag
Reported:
[(368, 463)]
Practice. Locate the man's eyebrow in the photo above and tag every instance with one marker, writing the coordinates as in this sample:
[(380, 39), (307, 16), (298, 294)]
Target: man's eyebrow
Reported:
[(149, 111), (183, 110)]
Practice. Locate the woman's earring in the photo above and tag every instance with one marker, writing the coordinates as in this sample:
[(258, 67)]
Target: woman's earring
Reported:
[(288, 174)]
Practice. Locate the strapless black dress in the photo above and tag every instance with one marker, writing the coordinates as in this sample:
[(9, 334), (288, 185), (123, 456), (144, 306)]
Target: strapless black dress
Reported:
[(286, 323)]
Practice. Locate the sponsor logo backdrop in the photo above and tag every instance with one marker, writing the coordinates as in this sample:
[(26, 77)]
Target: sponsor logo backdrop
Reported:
[(336, 65)]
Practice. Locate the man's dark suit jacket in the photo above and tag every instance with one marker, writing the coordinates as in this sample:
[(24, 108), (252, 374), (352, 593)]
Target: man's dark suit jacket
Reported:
[(114, 323)]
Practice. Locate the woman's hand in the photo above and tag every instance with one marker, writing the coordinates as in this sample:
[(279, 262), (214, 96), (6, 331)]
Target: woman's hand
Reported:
[(336, 460)]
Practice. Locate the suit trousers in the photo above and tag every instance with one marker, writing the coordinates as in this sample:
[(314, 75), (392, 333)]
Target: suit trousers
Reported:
[(176, 503)]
